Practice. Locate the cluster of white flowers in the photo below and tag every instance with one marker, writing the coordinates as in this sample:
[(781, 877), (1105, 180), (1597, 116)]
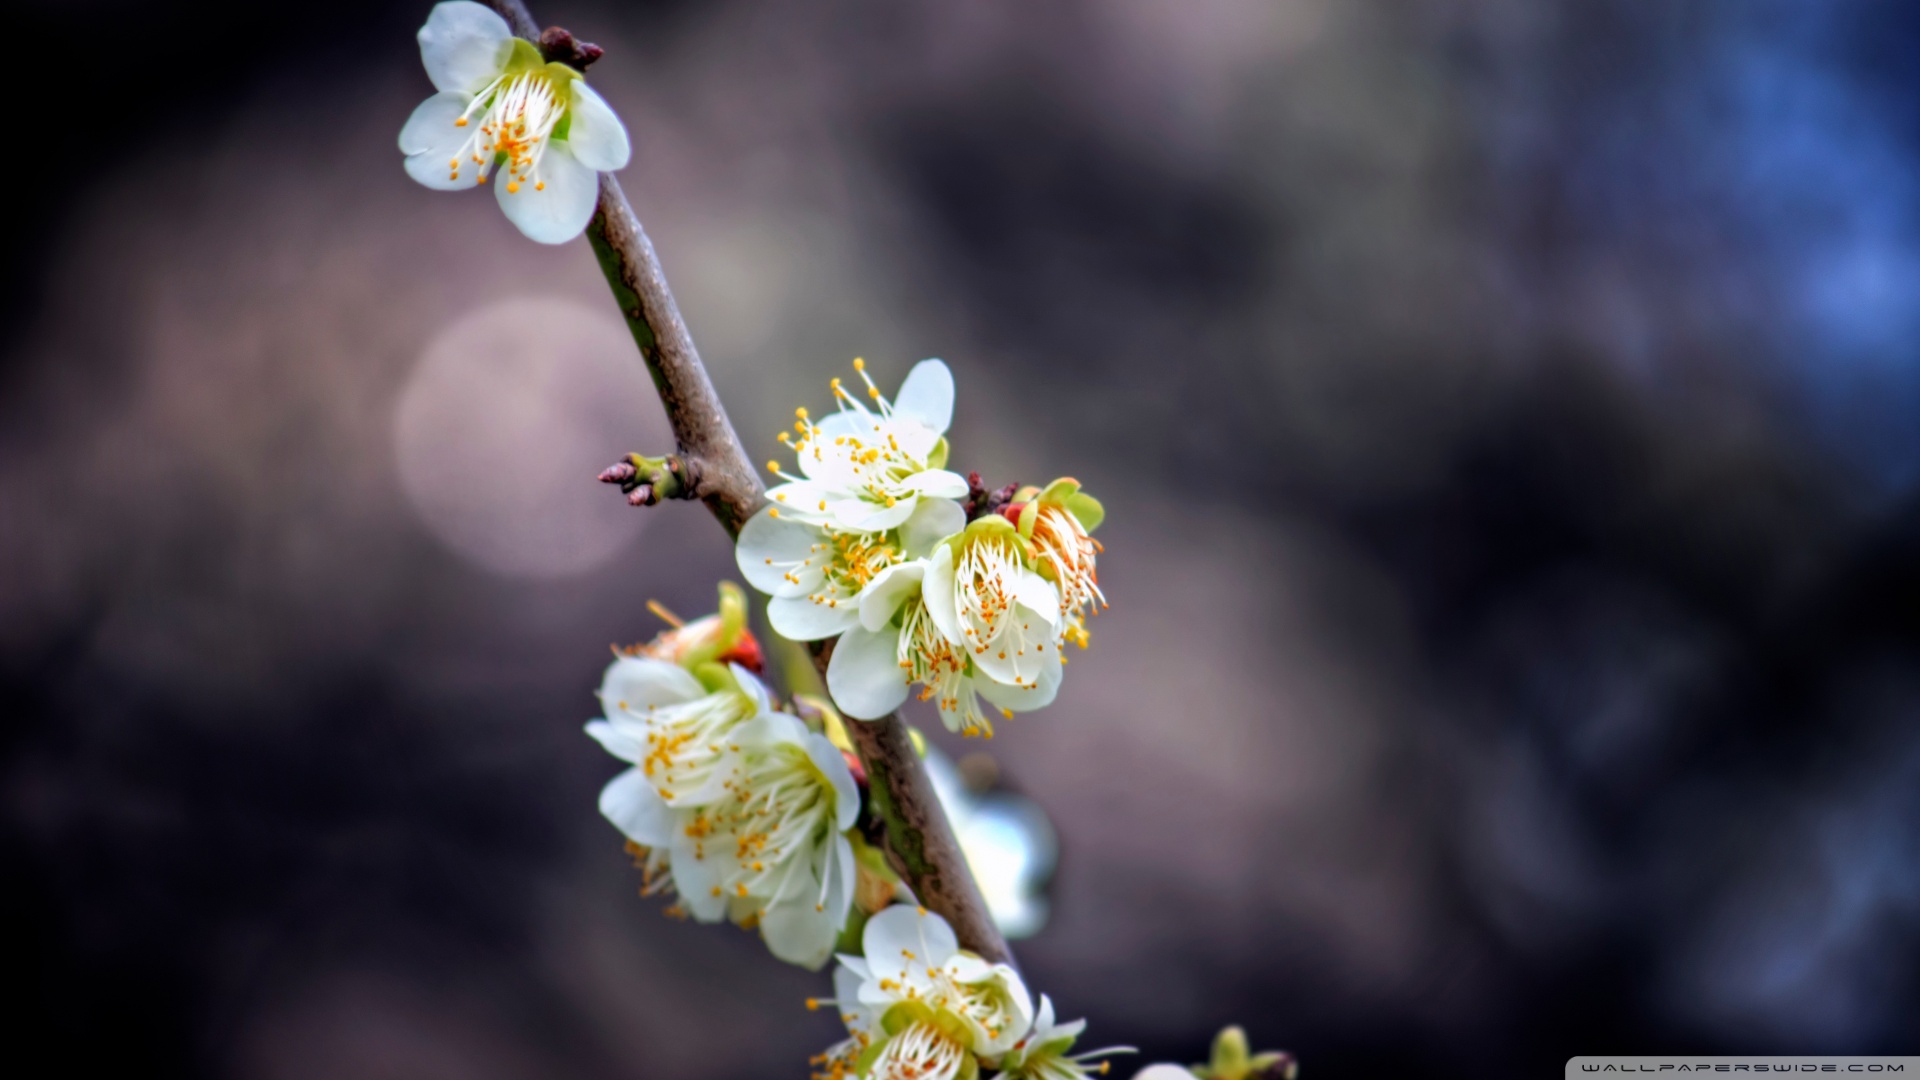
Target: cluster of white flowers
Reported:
[(739, 809), (869, 543), (917, 1007), (744, 811), (502, 108)]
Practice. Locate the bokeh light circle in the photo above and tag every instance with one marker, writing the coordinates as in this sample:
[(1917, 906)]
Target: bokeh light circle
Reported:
[(505, 420)]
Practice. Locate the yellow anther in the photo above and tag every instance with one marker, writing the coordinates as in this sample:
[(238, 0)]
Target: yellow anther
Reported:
[(812, 1004), (801, 412), (513, 187), (873, 391), (459, 121), (773, 466), (773, 511), (540, 186), (859, 364)]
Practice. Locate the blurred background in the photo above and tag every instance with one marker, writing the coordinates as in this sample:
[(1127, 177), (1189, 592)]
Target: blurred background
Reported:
[(1508, 416)]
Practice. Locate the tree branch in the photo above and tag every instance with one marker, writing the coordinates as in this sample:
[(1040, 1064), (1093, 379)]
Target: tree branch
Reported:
[(920, 841)]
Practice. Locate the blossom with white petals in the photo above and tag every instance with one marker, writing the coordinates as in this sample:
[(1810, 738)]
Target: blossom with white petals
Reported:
[(740, 810), (937, 1006), (864, 470), (1042, 1054), (502, 107), (673, 727), (898, 645), (976, 618)]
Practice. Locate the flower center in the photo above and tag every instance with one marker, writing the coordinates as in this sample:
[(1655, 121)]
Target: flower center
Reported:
[(781, 806), (984, 591), (928, 659), (684, 742), (517, 115), (920, 1052)]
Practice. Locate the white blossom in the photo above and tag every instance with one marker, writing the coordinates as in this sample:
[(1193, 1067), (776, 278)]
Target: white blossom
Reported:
[(503, 109), (864, 470), (936, 1004), (740, 810)]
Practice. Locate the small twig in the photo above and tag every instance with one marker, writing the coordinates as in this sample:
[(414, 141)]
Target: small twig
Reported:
[(647, 481), (920, 841)]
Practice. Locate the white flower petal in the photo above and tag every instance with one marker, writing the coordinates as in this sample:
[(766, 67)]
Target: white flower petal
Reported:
[(1038, 596), (864, 676), (938, 484), (1025, 699), (797, 931), (595, 135), (633, 683), (932, 521), (464, 45), (798, 618), (800, 499), (887, 591), (860, 1019), (1043, 1022), (916, 439), (859, 515), (697, 875), (851, 419), (768, 731), (841, 876), (755, 690), (1017, 657), (628, 745), (900, 932), (770, 547), (432, 142), (832, 764), (630, 802), (1163, 1071), (554, 204), (927, 396), (937, 592)]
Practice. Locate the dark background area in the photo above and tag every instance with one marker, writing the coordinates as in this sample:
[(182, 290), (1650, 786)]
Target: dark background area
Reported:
[(1508, 415)]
